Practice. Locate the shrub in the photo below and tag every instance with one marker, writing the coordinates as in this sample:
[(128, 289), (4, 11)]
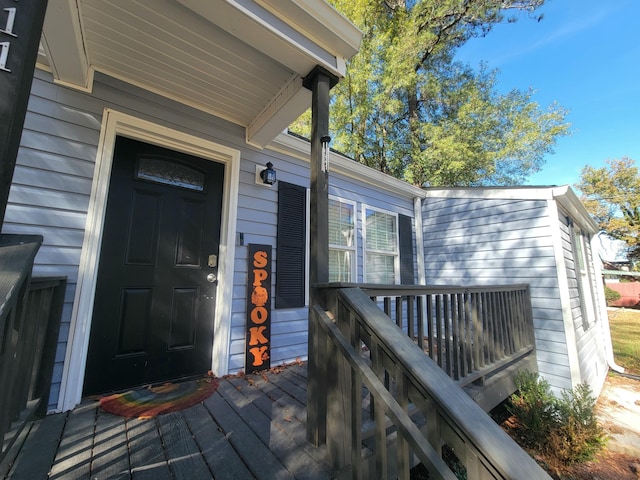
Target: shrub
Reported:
[(563, 428), (610, 295), (535, 408), (578, 436)]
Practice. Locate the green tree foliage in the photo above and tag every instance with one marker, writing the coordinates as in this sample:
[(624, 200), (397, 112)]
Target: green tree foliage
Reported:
[(407, 109), (611, 194)]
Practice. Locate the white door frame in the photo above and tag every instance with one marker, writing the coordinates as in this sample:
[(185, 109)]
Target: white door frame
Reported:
[(117, 123)]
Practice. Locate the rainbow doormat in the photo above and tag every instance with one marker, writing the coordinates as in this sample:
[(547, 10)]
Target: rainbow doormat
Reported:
[(155, 400)]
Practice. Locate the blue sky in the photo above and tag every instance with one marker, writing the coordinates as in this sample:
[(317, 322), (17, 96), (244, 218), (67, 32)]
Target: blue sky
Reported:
[(584, 54)]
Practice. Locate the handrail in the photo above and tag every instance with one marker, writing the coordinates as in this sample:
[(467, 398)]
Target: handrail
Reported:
[(30, 312), (452, 418), (469, 331)]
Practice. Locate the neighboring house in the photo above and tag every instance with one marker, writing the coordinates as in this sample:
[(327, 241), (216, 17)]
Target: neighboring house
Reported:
[(541, 236), (147, 130)]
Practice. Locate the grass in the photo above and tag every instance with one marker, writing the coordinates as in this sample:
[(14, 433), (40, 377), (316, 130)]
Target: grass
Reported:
[(625, 336)]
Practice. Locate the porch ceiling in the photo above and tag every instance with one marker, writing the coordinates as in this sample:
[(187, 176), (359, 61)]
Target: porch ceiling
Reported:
[(241, 60)]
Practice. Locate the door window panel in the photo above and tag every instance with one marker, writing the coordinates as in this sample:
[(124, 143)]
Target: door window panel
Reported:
[(169, 172)]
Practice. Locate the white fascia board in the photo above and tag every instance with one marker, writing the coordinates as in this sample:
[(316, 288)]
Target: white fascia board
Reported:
[(513, 193), (339, 164), (320, 22), (63, 43), (291, 102), (566, 197), (256, 26)]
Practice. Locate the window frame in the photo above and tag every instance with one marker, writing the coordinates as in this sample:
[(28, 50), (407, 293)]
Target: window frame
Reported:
[(352, 249), (582, 269), (366, 251)]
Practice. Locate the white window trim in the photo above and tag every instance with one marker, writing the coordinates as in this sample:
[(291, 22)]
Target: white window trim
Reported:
[(583, 276), (396, 262), (354, 248)]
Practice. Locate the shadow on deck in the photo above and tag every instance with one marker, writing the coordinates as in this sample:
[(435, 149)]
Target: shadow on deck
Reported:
[(251, 427)]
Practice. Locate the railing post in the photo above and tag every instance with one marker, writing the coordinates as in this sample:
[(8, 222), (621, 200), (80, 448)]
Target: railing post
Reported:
[(316, 383)]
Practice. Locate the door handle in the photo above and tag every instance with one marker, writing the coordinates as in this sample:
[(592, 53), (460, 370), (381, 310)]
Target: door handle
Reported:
[(211, 278)]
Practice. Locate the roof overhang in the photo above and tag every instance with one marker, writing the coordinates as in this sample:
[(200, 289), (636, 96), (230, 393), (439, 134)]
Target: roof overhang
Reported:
[(241, 60)]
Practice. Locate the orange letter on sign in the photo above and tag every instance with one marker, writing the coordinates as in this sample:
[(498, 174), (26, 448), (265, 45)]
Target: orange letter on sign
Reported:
[(258, 277), (256, 335), (258, 355), (259, 315), (260, 259)]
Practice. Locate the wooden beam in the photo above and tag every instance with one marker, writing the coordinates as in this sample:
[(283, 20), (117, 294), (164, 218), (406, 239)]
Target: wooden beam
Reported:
[(319, 81), (20, 30)]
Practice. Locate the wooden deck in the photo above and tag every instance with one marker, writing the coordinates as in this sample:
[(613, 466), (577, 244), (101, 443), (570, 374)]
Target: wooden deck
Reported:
[(251, 427)]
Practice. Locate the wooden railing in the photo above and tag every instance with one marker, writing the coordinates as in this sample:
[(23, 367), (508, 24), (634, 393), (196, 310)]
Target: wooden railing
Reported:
[(30, 312), (362, 367), (470, 332)]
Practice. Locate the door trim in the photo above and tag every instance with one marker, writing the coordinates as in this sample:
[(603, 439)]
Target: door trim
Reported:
[(117, 123)]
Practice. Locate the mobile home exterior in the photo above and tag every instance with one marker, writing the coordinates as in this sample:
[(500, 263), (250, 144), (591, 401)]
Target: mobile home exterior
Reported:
[(140, 165)]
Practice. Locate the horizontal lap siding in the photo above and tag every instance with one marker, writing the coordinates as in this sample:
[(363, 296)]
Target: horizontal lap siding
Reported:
[(52, 186), (498, 242), (53, 178)]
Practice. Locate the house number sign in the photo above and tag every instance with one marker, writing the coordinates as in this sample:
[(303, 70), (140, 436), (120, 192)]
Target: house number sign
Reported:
[(7, 33), (258, 338)]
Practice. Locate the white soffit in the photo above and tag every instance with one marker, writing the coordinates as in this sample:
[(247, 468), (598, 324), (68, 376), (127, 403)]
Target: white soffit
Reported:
[(240, 60)]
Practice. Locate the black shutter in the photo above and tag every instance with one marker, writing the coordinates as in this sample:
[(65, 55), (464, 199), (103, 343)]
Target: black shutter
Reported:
[(291, 246), (405, 232)]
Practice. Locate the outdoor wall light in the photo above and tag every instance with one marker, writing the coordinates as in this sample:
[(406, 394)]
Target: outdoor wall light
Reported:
[(268, 175)]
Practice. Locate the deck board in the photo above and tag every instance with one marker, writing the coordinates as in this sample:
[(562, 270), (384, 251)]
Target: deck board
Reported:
[(110, 455), (73, 459), (251, 427), (216, 449), (44, 437), (146, 452), (184, 456)]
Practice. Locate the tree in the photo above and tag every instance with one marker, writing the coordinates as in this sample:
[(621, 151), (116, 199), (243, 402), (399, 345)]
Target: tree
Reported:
[(611, 194), (407, 109)]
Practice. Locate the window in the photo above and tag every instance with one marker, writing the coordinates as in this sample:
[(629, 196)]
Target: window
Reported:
[(382, 259), (583, 277), (342, 240)]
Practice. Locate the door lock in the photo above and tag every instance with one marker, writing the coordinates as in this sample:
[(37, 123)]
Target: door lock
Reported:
[(213, 261)]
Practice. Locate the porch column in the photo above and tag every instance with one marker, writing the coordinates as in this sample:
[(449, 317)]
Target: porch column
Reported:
[(319, 81), (20, 29)]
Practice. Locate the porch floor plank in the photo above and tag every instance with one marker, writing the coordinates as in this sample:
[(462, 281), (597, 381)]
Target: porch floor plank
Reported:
[(146, 452), (43, 438), (251, 427), (73, 459), (110, 455), (261, 461), (216, 449), (185, 459)]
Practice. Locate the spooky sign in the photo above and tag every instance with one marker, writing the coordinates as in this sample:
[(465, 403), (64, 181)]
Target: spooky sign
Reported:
[(258, 338)]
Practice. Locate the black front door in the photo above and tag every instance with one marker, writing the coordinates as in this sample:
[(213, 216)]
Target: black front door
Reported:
[(156, 289)]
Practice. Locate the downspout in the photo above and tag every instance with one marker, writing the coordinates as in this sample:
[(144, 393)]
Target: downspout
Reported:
[(604, 317)]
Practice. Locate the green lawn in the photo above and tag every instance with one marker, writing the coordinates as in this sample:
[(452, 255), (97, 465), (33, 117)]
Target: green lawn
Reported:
[(625, 336)]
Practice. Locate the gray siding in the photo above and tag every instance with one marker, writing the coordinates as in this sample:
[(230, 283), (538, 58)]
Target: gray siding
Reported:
[(498, 242), (53, 180)]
